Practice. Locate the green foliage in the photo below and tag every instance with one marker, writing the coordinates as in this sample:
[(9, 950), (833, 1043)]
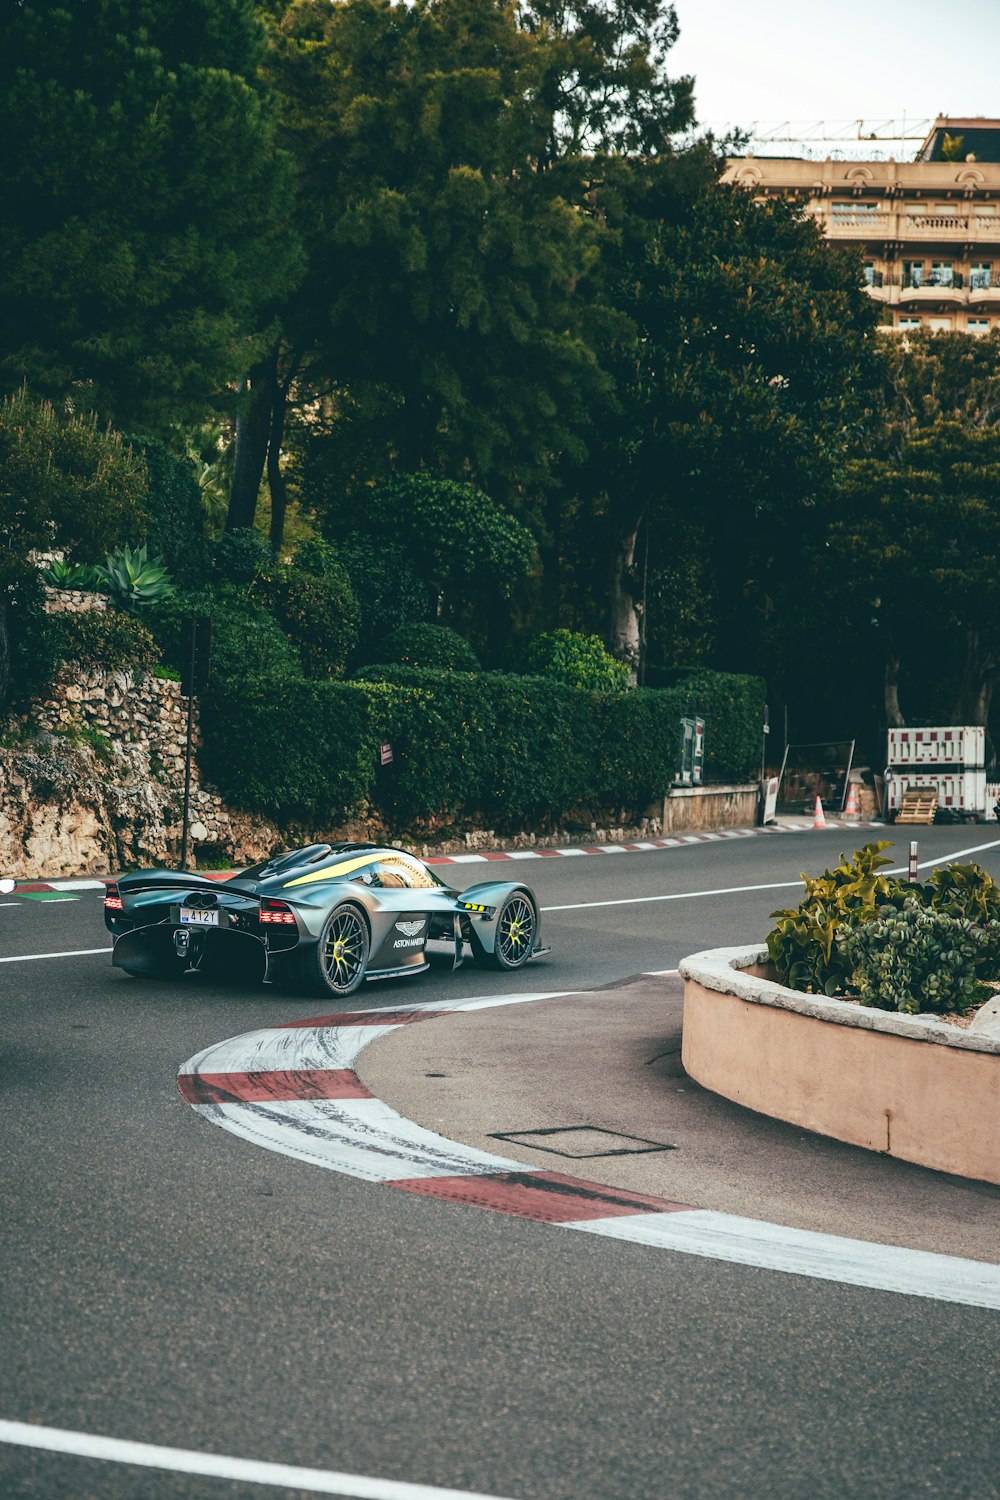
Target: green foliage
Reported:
[(580, 660), (384, 578), (33, 640), (916, 958), (65, 483), (176, 521), (804, 946), (67, 575), (295, 750), (432, 646), (964, 891), (243, 556), (112, 639), (320, 616), (246, 641), (144, 227), (133, 579), (732, 706), (515, 751)]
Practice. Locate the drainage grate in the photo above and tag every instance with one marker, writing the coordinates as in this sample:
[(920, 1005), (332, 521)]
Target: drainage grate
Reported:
[(580, 1140)]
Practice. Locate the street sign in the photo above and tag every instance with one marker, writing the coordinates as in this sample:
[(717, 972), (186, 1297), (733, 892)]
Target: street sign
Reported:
[(385, 753)]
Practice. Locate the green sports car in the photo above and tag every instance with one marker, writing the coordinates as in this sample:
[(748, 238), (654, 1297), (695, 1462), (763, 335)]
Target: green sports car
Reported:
[(327, 915)]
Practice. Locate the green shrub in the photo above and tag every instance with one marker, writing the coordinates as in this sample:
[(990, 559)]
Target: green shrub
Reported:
[(916, 958), (577, 659), (133, 579), (245, 640), (175, 518), (432, 647), (320, 615), (805, 945), (34, 640), (298, 750), (244, 557), (498, 750), (112, 639), (385, 578), (67, 575)]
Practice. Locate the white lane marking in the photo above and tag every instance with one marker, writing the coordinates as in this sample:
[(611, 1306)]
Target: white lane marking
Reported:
[(804, 1252), (23, 958), (726, 890), (220, 1466), (943, 859), (10, 903), (77, 885), (658, 973)]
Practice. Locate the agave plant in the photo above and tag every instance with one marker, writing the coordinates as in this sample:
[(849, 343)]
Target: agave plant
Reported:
[(64, 575), (132, 578)]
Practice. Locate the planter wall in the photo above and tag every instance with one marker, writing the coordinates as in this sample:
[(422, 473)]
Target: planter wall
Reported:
[(906, 1086)]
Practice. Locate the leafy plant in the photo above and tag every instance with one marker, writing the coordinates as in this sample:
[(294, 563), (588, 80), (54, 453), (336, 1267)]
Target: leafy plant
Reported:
[(965, 891), (133, 579), (578, 659), (429, 646), (319, 614), (114, 640), (66, 575), (916, 958), (805, 946)]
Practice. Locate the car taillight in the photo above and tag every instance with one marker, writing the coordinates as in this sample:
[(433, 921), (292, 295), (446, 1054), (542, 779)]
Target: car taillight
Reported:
[(112, 899), (276, 913)]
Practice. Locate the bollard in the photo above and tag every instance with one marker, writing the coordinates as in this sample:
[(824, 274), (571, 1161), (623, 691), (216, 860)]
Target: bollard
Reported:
[(914, 856)]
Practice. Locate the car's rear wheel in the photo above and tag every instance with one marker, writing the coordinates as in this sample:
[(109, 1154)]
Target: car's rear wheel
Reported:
[(338, 962), (516, 933)]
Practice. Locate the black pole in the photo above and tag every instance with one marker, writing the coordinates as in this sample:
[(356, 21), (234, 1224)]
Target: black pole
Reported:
[(187, 749)]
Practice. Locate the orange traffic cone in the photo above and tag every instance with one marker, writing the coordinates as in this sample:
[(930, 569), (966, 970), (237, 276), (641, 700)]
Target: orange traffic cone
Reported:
[(851, 806), (818, 819)]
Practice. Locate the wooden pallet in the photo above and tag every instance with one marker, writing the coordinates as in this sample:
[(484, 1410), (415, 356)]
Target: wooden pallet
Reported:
[(919, 806)]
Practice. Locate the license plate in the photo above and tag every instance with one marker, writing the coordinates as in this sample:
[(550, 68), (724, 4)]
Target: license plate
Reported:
[(199, 918)]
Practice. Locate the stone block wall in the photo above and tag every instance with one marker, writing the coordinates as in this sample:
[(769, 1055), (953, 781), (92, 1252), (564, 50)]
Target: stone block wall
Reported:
[(96, 784)]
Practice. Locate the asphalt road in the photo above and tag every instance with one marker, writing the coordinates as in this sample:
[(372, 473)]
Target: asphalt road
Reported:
[(166, 1282)]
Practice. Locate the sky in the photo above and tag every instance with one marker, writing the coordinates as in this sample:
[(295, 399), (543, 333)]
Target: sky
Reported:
[(810, 61)]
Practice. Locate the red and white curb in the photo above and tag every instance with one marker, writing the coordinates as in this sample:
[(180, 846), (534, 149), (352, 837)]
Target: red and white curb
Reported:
[(293, 1089), (642, 846)]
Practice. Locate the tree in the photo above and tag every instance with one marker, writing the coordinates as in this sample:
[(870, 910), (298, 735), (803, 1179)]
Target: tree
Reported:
[(144, 238), (915, 541), (440, 149), (743, 372), (65, 483)]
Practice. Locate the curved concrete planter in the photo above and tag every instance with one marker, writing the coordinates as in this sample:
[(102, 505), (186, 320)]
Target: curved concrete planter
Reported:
[(907, 1086)]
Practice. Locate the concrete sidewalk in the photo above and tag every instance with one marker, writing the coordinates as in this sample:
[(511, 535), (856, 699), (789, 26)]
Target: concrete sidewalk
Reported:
[(610, 1060)]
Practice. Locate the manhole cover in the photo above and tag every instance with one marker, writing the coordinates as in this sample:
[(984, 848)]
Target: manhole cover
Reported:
[(580, 1140)]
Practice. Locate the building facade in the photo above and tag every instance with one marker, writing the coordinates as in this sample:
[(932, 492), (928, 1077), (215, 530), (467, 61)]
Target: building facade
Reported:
[(928, 230)]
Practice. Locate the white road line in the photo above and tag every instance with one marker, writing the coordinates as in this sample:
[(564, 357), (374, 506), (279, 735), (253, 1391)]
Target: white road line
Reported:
[(726, 890), (805, 1252), (943, 859), (23, 958), (220, 1466)]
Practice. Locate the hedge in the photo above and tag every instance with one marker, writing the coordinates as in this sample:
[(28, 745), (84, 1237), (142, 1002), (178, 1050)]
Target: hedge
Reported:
[(510, 751)]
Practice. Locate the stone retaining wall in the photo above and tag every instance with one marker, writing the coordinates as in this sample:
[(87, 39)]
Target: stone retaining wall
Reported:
[(100, 786)]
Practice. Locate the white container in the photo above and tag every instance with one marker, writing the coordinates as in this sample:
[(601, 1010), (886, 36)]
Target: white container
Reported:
[(961, 791), (951, 745)]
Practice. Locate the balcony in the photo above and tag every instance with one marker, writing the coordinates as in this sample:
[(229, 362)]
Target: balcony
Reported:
[(969, 226), (935, 288), (984, 291), (854, 224)]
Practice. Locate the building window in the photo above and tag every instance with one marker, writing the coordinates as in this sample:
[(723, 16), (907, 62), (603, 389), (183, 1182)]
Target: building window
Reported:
[(869, 273), (853, 211), (909, 322), (979, 274), (940, 325), (942, 273), (913, 272), (977, 325)]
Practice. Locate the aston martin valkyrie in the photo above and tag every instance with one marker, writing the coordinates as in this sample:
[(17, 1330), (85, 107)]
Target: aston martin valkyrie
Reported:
[(328, 916)]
